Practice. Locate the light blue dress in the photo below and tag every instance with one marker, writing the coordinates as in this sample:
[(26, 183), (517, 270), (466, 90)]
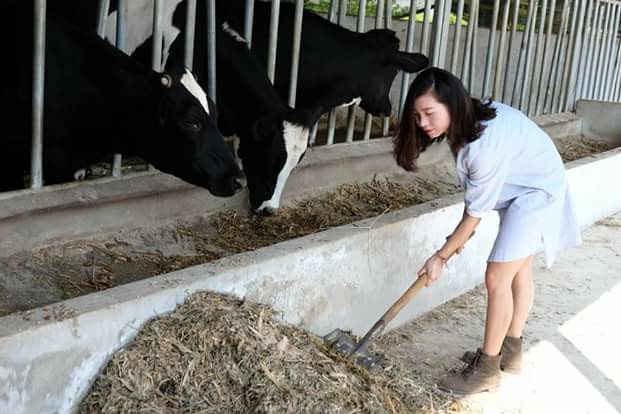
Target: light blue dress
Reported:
[(515, 169)]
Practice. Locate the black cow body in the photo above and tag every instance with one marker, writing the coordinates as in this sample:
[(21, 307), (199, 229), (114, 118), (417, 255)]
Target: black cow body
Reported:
[(273, 136), (100, 101), (337, 66)]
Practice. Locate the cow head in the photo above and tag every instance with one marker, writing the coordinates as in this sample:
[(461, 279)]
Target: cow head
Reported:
[(189, 145), (383, 64), (279, 143)]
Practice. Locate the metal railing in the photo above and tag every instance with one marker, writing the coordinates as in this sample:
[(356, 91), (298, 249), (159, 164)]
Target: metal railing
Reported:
[(541, 55)]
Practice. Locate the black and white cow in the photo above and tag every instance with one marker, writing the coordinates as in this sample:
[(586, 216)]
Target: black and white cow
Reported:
[(337, 66), (98, 101), (273, 136)]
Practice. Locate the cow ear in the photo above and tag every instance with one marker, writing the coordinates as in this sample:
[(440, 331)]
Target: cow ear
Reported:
[(409, 62), (265, 128)]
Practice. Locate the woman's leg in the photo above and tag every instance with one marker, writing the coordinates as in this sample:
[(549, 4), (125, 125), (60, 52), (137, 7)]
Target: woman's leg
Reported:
[(523, 290), (499, 278)]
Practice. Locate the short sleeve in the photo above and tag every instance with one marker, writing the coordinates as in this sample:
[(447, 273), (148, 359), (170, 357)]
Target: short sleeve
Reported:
[(486, 175)]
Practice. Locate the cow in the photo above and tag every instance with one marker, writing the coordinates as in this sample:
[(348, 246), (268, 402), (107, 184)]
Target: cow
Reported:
[(99, 101), (273, 136), (337, 66)]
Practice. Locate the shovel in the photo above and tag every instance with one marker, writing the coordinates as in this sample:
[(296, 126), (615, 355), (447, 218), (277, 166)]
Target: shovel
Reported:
[(345, 344)]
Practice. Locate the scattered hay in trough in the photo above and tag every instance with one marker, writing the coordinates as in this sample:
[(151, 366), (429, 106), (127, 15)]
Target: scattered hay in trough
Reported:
[(215, 354), (574, 148)]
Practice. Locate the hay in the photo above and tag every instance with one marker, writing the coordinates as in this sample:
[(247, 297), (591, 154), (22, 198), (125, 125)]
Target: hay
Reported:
[(574, 148), (216, 354)]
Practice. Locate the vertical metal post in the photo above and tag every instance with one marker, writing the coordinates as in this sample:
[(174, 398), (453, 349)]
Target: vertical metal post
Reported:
[(424, 44), (616, 86), (614, 63), (588, 75), (102, 17), (496, 91), (190, 24), (547, 104), (568, 61), (514, 22), (436, 41), (295, 54), (156, 51), (248, 17), (584, 50), (409, 46), (211, 56), (573, 73), (351, 111), (38, 94), (342, 11), (387, 25), (333, 16), (121, 35), (529, 48), (538, 64), (273, 41), (457, 36), (465, 68), (556, 93), (368, 118), (599, 49), (606, 27), (522, 56), (612, 40), (475, 38), (489, 60), (444, 39), (546, 47)]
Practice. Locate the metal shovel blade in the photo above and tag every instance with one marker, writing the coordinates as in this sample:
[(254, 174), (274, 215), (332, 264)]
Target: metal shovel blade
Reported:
[(345, 344)]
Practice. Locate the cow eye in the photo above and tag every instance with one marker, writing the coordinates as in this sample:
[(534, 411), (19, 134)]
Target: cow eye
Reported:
[(193, 126)]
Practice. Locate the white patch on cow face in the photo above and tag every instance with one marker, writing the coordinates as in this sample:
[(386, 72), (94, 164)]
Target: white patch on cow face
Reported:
[(195, 89), (227, 28), (296, 142), (355, 101)]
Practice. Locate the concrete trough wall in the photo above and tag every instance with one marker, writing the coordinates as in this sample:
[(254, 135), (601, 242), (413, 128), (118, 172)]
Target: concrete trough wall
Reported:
[(344, 277)]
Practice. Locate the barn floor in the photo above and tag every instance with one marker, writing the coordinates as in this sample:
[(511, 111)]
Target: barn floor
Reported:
[(572, 338), (58, 272)]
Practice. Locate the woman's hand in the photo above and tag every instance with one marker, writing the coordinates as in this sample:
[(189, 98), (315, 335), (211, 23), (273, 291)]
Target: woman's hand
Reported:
[(432, 268)]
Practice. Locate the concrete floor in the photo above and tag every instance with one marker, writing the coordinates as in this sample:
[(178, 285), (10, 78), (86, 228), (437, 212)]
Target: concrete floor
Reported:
[(573, 340)]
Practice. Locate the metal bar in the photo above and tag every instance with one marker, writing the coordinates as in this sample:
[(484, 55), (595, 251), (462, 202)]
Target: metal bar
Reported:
[(190, 24), (616, 87), (540, 91), (547, 105), (331, 127), (156, 51), (457, 36), (211, 56), (424, 43), (273, 41), (529, 47), (444, 40), (351, 110), (465, 68), (121, 35), (514, 23), (556, 93), (568, 62), (496, 94), (409, 46), (368, 118), (248, 18), (575, 57), (606, 29), (387, 25), (537, 65), (473, 61), (436, 41), (102, 17), (588, 82), (313, 135), (522, 55), (295, 54), (38, 94), (584, 51), (600, 49), (489, 60), (615, 69), (611, 54), (337, 14), (342, 12)]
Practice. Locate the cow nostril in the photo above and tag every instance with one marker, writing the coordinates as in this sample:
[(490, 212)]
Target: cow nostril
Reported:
[(237, 184), (265, 211)]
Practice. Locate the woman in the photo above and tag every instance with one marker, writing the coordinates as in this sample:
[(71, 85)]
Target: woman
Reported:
[(508, 164)]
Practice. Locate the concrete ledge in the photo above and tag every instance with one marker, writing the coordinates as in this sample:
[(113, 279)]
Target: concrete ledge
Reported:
[(600, 119), (32, 219), (344, 277)]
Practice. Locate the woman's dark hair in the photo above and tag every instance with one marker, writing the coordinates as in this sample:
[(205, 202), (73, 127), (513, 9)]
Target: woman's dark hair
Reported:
[(465, 112)]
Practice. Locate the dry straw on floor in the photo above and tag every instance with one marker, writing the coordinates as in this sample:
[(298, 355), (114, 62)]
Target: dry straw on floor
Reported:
[(215, 354)]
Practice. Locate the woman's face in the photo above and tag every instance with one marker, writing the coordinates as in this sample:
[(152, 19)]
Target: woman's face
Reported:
[(431, 115)]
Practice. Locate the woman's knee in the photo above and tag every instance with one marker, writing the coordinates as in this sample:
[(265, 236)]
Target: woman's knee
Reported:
[(500, 275)]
